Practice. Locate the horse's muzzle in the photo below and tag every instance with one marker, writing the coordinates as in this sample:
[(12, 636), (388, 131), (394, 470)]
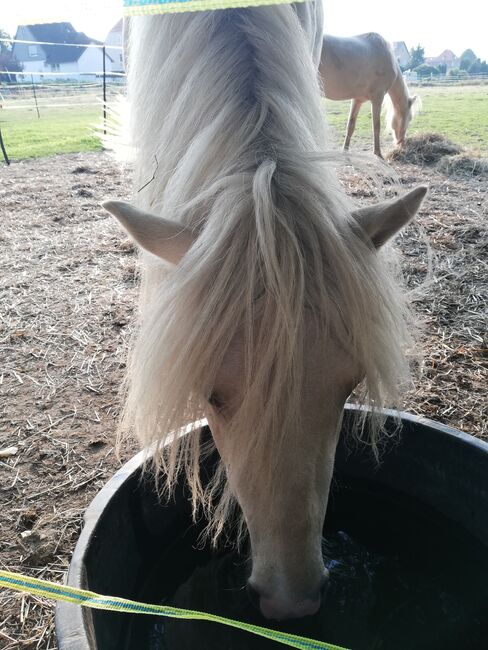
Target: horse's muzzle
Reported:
[(279, 609)]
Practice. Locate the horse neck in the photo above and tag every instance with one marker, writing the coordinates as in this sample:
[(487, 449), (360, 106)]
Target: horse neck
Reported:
[(399, 94)]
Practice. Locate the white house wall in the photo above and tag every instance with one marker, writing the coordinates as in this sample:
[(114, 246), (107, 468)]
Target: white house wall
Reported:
[(64, 71), (115, 38), (89, 63), (32, 67), (92, 61), (118, 61)]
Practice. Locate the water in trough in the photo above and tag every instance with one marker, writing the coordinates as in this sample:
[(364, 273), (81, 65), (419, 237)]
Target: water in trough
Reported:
[(402, 578)]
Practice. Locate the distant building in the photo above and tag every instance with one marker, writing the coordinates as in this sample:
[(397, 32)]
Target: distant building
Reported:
[(67, 62), (115, 37), (448, 58), (402, 55)]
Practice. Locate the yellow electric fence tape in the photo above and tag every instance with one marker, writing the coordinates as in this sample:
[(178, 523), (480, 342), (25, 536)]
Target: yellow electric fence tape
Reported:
[(151, 7), (20, 582)]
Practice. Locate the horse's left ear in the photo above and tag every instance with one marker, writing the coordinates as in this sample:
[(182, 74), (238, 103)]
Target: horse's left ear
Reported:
[(383, 220), (161, 237), (412, 100)]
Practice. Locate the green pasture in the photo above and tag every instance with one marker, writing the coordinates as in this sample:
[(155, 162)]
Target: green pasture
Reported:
[(65, 129), (459, 113)]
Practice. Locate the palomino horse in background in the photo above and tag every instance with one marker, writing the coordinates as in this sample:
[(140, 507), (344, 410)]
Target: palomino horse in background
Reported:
[(363, 68), (264, 300)]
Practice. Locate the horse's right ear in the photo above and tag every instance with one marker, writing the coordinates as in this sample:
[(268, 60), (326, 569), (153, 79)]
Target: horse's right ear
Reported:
[(161, 237), (382, 221)]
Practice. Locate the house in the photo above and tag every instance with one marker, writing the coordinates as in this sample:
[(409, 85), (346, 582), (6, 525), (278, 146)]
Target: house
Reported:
[(115, 38), (81, 63), (448, 58), (402, 55)]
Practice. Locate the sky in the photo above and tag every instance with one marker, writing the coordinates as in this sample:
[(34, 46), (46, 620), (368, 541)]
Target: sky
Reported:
[(435, 24)]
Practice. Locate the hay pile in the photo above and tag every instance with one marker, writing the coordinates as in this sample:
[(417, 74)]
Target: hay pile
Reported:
[(425, 149), (434, 150), (463, 165)]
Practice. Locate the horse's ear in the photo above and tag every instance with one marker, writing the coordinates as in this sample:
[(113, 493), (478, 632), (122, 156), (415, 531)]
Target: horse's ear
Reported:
[(412, 100), (166, 239), (383, 220)]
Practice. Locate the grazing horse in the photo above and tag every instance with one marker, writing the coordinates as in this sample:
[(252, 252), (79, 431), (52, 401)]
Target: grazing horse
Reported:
[(363, 68), (265, 300)]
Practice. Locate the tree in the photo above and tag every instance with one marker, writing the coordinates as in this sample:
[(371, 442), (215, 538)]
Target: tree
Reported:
[(418, 56), (469, 56), (5, 47), (457, 73), (442, 68), (478, 67), (8, 62), (425, 70)]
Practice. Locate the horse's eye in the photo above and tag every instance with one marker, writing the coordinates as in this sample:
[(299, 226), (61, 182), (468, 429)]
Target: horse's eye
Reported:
[(215, 401)]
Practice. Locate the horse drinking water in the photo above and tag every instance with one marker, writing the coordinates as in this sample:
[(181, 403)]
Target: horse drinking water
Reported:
[(265, 298), (363, 68)]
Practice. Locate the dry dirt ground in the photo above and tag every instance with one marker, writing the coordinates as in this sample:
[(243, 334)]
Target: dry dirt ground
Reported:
[(68, 288)]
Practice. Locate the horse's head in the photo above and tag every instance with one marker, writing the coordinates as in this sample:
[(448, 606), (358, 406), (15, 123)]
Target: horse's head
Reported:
[(401, 118), (275, 417)]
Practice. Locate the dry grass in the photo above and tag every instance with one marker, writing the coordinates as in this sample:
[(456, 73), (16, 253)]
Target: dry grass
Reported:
[(452, 307), (464, 165), (433, 149), (425, 149), (67, 290)]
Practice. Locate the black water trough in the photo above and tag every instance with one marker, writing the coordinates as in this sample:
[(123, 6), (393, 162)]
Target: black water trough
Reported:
[(414, 530)]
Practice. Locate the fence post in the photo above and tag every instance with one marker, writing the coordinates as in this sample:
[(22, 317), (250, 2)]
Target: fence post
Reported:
[(35, 96), (104, 94), (2, 146)]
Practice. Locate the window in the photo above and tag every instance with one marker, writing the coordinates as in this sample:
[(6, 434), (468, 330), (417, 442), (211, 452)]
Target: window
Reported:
[(32, 50)]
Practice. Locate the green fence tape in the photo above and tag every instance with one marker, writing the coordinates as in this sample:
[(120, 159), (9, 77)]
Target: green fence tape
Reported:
[(20, 582), (151, 7)]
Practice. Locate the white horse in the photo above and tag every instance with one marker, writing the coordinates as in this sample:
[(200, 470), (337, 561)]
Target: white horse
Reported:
[(363, 68), (265, 300)]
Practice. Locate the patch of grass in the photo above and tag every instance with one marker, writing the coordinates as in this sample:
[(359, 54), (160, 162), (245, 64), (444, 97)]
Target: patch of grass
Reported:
[(458, 113), (66, 129)]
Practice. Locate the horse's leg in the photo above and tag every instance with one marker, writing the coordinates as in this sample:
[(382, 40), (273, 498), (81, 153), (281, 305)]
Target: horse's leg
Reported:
[(351, 122), (376, 103)]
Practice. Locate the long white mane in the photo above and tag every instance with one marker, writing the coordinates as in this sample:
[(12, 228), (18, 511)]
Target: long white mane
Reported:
[(227, 121)]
